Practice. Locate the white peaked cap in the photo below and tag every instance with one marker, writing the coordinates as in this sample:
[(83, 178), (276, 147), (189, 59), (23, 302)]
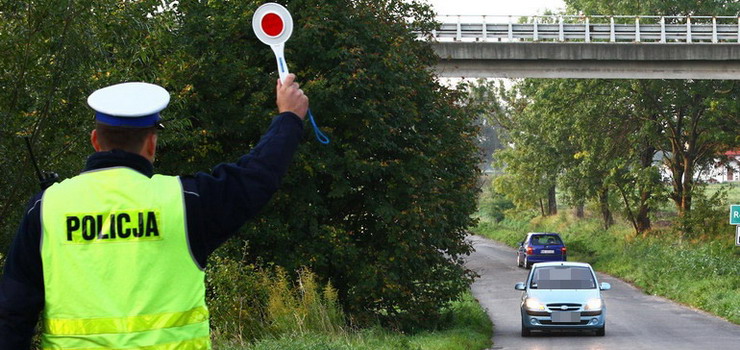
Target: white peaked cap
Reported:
[(134, 104)]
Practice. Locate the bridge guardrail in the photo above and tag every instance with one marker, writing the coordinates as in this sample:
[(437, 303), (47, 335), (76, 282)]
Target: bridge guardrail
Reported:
[(655, 29)]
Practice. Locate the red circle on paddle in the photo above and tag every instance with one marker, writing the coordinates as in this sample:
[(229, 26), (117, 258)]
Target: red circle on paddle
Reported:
[(272, 24)]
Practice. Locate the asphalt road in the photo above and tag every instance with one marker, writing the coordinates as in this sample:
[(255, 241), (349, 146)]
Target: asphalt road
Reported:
[(634, 320)]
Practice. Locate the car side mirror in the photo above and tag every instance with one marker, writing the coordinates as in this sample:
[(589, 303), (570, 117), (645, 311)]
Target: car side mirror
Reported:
[(519, 286), (605, 286), (521, 243)]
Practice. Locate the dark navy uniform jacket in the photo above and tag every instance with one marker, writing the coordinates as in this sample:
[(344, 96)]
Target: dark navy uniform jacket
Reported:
[(216, 206)]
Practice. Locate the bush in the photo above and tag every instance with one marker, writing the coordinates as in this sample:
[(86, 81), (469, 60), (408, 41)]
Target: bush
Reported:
[(494, 204), (468, 327), (383, 210), (707, 217)]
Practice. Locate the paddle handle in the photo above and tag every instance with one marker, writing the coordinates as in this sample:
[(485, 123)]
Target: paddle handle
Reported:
[(282, 65)]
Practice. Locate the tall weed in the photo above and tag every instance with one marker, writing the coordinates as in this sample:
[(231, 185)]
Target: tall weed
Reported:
[(248, 304), (302, 308)]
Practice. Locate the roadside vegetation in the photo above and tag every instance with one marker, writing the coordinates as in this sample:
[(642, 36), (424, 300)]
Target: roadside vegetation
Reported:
[(261, 308)]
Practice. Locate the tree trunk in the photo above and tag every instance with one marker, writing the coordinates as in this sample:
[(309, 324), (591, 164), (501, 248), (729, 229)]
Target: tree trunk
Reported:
[(579, 212), (606, 213), (677, 173), (642, 219), (688, 184), (552, 204), (542, 208), (628, 206)]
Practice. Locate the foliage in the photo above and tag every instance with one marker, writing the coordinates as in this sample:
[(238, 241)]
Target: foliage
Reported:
[(467, 327), (655, 7), (272, 307), (381, 212), (690, 122), (732, 189), (703, 273), (708, 218), (532, 164), (482, 99), (53, 57), (494, 204), (597, 139)]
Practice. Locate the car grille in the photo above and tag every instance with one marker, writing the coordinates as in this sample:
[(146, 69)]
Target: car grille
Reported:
[(559, 307), (564, 323)]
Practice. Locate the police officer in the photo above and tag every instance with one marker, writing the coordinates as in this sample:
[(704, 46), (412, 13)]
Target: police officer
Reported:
[(115, 256)]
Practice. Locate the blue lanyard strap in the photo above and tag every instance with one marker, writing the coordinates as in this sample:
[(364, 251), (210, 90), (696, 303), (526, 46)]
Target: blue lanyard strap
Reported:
[(319, 135)]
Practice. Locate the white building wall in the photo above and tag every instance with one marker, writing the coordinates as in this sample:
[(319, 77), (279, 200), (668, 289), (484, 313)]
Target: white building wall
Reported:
[(718, 173)]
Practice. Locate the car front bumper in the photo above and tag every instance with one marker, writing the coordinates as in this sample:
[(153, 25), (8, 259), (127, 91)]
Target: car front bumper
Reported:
[(539, 321)]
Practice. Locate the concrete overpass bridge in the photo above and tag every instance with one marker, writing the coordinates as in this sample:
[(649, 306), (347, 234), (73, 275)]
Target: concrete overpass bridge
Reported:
[(643, 47)]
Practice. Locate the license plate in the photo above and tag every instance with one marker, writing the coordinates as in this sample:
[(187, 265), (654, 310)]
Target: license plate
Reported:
[(547, 251), (564, 316)]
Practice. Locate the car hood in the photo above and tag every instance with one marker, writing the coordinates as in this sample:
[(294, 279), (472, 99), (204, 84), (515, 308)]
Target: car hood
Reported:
[(578, 296)]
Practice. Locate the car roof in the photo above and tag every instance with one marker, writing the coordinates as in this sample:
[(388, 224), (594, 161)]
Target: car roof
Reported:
[(562, 263), (530, 234), (542, 233)]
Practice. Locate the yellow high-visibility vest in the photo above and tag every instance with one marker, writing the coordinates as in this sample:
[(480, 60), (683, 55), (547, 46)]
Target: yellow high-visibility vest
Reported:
[(118, 270)]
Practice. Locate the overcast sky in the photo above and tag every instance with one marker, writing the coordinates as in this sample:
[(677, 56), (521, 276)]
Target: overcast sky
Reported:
[(495, 7)]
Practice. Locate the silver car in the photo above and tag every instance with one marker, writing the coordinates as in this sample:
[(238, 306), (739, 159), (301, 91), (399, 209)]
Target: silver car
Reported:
[(561, 296)]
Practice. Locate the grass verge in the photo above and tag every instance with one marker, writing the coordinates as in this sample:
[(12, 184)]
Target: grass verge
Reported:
[(703, 274), (470, 328), (253, 309)]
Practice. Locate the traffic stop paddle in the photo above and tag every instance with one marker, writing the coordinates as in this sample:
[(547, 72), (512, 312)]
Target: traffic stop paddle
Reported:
[(273, 25)]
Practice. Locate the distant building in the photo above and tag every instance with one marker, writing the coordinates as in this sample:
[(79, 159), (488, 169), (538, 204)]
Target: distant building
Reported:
[(725, 169)]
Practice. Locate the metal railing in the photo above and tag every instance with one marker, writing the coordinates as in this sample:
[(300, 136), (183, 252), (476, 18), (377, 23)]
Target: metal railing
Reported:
[(562, 28)]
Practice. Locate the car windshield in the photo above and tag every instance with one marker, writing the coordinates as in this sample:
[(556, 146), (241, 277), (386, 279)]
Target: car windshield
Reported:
[(546, 239), (562, 277)]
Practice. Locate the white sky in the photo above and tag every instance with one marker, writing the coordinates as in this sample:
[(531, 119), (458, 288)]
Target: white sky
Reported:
[(495, 7)]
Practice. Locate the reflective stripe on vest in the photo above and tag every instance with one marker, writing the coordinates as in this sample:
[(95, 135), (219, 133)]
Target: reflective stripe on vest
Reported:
[(193, 344), (125, 324), (118, 272)]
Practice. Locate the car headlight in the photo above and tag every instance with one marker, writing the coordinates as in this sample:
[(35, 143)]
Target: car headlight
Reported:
[(533, 304), (594, 304)]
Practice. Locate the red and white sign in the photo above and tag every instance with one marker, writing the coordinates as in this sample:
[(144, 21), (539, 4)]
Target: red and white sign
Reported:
[(273, 25)]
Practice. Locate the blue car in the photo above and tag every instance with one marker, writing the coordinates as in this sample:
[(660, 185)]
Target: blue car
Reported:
[(540, 247)]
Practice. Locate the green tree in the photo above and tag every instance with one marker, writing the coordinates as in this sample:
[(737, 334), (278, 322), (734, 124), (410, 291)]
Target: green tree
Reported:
[(382, 211), (534, 161), (601, 143), (695, 120), (53, 56), (654, 7), (483, 97)]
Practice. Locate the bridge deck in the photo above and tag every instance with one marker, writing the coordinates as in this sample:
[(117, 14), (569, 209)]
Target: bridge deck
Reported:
[(590, 47)]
